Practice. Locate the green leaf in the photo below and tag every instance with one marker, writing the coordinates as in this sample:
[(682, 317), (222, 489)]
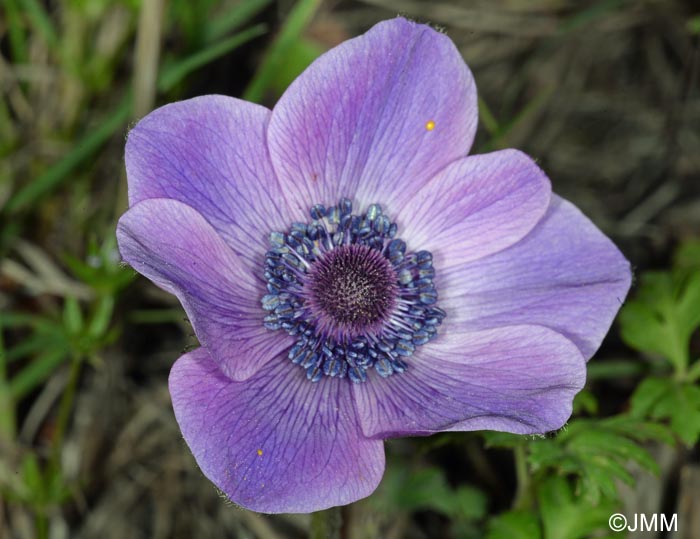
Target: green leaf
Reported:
[(424, 489), (687, 256), (85, 272), (36, 372), (13, 319), (72, 316), (47, 334), (39, 342), (596, 443), (106, 277), (515, 525), (298, 56), (598, 484), (597, 452), (694, 372), (648, 394), (469, 503), (406, 488), (641, 431), (675, 400), (585, 401), (663, 316), (57, 491), (689, 305), (101, 317), (33, 480), (546, 453), (565, 516), (683, 408)]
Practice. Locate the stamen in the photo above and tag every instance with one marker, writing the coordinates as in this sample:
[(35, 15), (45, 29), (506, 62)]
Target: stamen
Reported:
[(349, 293)]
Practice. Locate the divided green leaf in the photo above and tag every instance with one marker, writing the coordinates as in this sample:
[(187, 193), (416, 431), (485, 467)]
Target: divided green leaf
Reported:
[(597, 452), (663, 316), (676, 401)]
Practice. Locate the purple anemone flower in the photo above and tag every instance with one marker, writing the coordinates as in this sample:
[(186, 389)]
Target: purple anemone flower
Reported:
[(352, 276)]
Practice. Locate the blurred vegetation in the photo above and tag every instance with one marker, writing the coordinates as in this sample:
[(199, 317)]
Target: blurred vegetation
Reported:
[(603, 92)]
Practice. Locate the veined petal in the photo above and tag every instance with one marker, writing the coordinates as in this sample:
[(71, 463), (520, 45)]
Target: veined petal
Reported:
[(210, 153), (275, 443), (565, 275), (374, 118), (175, 247), (476, 206), (519, 379)]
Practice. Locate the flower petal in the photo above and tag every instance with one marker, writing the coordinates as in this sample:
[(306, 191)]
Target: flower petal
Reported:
[(210, 152), (518, 379), (565, 275), (276, 442), (356, 122), (176, 248), (476, 206)]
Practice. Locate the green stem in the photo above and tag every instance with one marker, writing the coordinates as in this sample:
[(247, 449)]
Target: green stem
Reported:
[(326, 524), (64, 411), (42, 525), (522, 494)]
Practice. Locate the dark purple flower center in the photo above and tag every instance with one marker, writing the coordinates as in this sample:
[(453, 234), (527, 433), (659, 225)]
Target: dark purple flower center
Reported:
[(346, 289), (352, 291)]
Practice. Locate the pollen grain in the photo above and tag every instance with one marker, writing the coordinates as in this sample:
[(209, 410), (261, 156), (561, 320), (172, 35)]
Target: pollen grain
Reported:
[(429, 125), (260, 452)]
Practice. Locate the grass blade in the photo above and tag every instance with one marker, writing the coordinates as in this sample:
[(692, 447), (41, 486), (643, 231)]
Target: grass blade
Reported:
[(41, 22), (175, 73), (242, 13), (36, 372), (15, 31), (84, 149), (7, 406), (297, 21)]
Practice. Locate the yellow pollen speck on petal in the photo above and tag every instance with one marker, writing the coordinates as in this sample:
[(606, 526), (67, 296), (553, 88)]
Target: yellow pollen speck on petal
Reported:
[(260, 452), (429, 125)]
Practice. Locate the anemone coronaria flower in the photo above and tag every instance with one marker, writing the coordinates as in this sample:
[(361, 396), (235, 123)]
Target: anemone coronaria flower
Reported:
[(352, 275)]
